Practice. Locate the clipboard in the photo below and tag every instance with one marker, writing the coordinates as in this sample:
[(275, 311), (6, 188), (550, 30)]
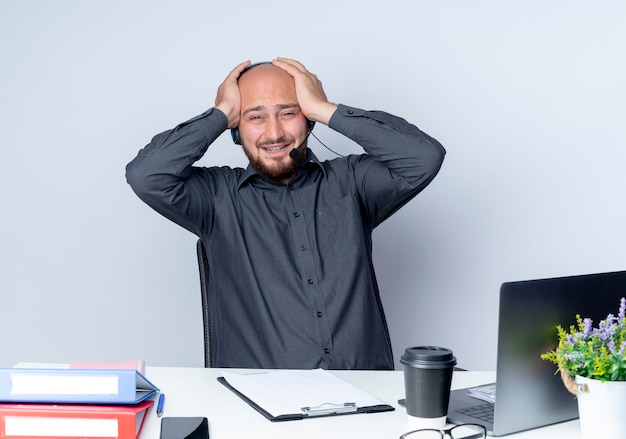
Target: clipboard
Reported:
[(293, 388)]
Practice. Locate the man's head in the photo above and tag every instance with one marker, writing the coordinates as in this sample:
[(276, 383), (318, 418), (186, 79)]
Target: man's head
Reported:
[(271, 123)]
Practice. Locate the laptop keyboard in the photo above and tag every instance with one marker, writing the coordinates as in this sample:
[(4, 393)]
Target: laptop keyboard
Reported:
[(483, 412)]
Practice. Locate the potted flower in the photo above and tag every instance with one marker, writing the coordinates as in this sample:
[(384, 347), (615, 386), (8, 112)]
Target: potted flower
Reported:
[(592, 362)]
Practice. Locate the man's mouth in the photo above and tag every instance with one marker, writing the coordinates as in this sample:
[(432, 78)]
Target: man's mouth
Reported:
[(275, 148)]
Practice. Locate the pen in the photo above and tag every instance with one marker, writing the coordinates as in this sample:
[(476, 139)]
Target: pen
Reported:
[(160, 404)]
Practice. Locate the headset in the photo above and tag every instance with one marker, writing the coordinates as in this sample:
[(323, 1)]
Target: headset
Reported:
[(235, 131)]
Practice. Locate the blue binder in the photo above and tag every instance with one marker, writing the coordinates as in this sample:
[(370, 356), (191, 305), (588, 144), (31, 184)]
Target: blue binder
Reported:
[(89, 386)]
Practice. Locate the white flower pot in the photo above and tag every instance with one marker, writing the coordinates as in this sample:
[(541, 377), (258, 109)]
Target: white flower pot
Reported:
[(602, 408)]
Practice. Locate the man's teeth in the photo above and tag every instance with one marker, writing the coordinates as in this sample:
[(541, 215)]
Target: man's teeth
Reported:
[(276, 148)]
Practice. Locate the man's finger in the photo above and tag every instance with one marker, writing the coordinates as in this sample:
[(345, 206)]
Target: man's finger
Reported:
[(236, 72), (288, 63)]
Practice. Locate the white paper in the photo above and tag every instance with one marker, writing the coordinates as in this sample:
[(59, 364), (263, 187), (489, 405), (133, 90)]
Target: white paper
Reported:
[(28, 426), (287, 392), (485, 393), (50, 384), (29, 365)]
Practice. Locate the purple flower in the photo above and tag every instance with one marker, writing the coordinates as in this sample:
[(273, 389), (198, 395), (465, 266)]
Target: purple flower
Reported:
[(622, 348), (588, 326), (611, 345), (606, 328)]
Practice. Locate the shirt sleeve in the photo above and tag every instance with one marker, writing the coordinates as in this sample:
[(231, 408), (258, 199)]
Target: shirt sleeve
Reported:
[(162, 174), (400, 160)]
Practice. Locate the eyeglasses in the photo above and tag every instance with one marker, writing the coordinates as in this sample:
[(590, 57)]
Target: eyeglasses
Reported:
[(462, 431)]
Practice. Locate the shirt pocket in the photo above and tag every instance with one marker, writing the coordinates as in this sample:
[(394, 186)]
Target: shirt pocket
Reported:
[(341, 233)]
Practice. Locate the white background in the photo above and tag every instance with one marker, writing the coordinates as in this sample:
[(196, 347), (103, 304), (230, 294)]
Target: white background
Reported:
[(528, 97)]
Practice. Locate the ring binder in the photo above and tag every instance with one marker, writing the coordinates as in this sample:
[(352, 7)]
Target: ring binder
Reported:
[(329, 408), (85, 386)]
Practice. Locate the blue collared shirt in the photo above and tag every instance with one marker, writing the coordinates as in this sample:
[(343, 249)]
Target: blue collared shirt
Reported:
[(292, 282)]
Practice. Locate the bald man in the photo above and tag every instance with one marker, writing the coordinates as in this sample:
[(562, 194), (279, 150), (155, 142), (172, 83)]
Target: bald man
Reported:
[(289, 238)]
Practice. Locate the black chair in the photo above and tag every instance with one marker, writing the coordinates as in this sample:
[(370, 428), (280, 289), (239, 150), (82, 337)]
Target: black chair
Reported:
[(203, 266)]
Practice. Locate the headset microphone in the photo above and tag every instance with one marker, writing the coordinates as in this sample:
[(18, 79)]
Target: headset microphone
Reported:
[(294, 152)]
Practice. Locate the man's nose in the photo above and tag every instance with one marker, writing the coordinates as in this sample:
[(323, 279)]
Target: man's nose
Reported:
[(274, 129)]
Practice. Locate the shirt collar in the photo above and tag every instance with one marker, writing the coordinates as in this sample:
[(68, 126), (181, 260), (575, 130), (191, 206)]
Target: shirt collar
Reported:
[(250, 173)]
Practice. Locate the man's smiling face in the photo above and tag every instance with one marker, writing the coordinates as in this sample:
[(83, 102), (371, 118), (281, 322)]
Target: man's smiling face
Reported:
[(271, 123)]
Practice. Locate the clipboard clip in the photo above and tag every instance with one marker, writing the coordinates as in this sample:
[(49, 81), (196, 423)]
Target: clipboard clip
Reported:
[(328, 408)]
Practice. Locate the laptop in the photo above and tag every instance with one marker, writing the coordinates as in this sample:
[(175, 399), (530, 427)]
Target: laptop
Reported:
[(528, 393)]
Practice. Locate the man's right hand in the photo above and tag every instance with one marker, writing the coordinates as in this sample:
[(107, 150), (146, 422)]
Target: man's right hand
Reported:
[(228, 100)]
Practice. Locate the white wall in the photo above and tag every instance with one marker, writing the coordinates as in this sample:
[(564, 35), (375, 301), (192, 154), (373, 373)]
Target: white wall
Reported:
[(529, 99)]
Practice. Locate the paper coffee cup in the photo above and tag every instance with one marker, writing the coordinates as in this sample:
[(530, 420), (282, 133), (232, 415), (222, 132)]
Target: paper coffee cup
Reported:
[(427, 380)]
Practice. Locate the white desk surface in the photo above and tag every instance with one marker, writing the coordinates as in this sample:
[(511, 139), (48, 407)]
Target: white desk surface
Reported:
[(196, 392)]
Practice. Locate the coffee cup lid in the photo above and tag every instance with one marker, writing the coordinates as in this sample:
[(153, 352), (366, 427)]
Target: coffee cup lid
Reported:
[(428, 357)]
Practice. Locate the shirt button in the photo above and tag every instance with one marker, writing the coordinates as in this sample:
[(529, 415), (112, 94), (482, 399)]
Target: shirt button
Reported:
[(296, 214), (310, 281), (319, 314), (303, 248), (326, 351)]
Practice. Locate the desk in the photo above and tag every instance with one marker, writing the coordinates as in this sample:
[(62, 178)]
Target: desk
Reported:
[(196, 392)]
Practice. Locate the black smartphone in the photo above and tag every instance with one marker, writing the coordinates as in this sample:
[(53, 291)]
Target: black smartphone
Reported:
[(182, 427)]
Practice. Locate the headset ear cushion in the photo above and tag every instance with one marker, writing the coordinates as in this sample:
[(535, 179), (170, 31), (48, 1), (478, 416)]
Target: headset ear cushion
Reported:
[(310, 124), (235, 135)]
